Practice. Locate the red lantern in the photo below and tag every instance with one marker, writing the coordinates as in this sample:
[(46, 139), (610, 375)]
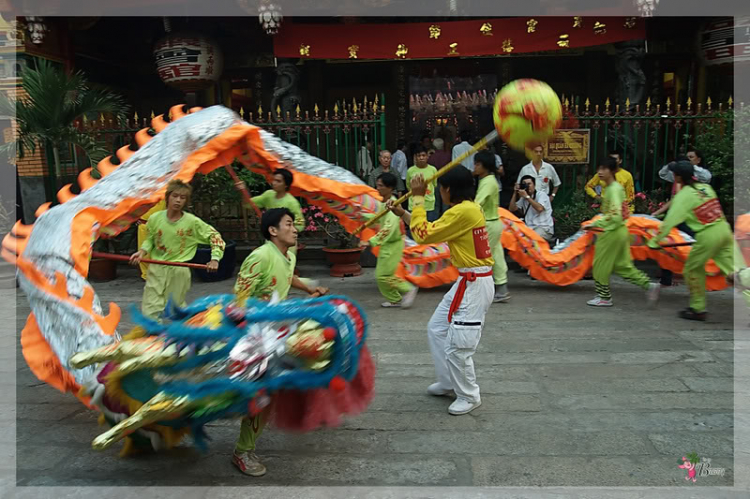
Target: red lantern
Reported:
[(188, 62)]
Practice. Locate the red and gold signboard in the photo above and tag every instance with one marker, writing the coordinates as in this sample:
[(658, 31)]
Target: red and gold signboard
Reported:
[(481, 37)]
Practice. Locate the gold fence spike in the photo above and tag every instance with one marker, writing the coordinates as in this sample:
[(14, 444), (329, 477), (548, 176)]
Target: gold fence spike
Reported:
[(587, 103), (679, 107), (298, 110), (375, 107), (316, 109), (567, 103), (242, 112), (365, 101), (607, 104), (669, 103), (689, 103), (134, 117), (730, 101), (648, 104), (627, 103), (354, 105), (101, 117), (617, 109), (152, 114), (86, 120), (278, 110), (260, 111), (336, 109), (376, 99)]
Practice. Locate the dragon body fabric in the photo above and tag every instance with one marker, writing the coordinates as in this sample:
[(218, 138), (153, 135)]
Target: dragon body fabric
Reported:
[(163, 382)]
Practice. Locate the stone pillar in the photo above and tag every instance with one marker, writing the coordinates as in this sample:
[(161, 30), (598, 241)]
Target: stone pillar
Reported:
[(631, 78)]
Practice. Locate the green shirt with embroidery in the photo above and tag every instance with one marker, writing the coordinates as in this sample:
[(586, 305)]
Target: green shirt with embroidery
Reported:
[(488, 197), (178, 241), (686, 206), (427, 172), (264, 271), (268, 200), (615, 208), (389, 229)]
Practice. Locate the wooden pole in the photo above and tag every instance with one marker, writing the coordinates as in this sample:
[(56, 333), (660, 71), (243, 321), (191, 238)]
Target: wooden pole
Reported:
[(125, 258), (487, 140), (243, 192)]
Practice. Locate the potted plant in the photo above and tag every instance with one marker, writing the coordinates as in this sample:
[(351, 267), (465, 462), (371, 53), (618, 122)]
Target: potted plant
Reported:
[(342, 248), (103, 269)]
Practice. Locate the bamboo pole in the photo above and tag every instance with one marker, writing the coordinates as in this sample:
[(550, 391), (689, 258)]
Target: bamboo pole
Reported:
[(125, 258)]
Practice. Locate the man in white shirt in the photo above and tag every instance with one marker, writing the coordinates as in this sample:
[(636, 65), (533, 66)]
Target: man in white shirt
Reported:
[(544, 173), (398, 161), (461, 147), (535, 207)]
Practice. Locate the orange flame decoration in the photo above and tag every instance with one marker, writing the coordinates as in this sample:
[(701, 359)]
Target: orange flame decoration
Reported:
[(423, 265)]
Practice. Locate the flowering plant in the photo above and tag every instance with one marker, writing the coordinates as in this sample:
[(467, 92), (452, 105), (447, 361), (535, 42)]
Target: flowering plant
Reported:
[(338, 236), (647, 203)]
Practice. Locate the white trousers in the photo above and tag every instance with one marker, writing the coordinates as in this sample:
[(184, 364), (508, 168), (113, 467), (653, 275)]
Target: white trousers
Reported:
[(453, 344)]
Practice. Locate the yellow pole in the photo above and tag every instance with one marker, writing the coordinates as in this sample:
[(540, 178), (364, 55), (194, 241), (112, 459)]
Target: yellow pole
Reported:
[(487, 140)]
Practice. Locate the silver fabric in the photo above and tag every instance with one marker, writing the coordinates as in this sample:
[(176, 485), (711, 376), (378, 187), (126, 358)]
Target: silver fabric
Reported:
[(69, 329)]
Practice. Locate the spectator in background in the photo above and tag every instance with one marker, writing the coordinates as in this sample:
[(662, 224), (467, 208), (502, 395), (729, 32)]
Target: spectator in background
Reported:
[(421, 167), (384, 166), (364, 160), (426, 141), (439, 160), (543, 173), (462, 146), (399, 162), (535, 207)]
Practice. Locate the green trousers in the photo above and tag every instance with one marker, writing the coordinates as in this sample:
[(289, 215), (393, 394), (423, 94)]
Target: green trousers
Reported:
[(163, 282), (612, 255), (500, 269), (250, 430), (390, 286), (715, 242)]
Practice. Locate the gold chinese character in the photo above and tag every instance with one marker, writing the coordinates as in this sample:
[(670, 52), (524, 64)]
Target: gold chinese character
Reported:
[(564, 41), (508, 46), (630, 22), (577, 22), (453, 46), (486, 29), (353, 51), (401, 51), (600, 28), (304, 50), (531, 25), (435, 31)]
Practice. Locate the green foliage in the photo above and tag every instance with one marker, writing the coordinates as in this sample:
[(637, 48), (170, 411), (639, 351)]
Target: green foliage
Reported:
[(217, 188), (742, 160), (569, 215), (715, 140), (54, 101), (649, 202)]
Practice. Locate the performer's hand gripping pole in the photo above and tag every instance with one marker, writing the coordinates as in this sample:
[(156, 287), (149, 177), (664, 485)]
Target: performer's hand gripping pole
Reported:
[(487, 140)]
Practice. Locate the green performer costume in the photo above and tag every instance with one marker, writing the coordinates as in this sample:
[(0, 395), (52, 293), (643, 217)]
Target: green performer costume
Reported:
[(698, 206), (391, 243), (268, 200), (612, 248), (174, 242), (488, 197), (264, 271)]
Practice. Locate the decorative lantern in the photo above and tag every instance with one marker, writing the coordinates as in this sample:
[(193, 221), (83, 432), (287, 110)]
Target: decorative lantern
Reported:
[(187, 61), (646, 7), (269, 16)]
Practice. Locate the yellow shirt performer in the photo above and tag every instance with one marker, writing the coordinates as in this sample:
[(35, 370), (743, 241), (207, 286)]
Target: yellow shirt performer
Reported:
[(456, 325), (174, 236)]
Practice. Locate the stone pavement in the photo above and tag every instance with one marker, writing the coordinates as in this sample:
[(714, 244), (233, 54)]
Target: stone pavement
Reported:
[(571, 396)]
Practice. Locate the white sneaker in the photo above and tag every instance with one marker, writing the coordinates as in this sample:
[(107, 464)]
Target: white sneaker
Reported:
[(463, 406), (387, 304), (437, 390), (599, 302), (408, 300), (653, 293)]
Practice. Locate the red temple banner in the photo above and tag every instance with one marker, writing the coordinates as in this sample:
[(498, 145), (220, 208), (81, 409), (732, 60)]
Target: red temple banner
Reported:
[(485, 37)]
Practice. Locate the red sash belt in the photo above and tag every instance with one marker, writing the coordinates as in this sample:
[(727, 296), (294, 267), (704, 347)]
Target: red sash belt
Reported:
[(459, 296)]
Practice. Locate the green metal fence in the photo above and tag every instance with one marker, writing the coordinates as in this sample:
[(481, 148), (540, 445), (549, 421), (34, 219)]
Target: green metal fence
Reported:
[(648, 137)]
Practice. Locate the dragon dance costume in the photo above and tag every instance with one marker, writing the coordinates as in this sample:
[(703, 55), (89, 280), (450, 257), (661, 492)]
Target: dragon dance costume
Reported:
[(134, 387)]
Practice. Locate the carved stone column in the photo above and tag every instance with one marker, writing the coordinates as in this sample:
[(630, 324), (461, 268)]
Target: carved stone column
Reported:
[(631, 78)]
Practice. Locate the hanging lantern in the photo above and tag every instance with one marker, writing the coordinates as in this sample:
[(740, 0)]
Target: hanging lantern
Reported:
[(646, 7), (269, 16), (188, 62)]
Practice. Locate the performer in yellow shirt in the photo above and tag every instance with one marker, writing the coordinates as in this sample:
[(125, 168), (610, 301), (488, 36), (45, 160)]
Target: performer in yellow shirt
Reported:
[(596, 186), (143, 231), (456, 326)]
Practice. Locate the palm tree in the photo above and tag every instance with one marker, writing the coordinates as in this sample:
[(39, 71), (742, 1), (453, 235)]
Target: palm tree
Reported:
[(46, 115)]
